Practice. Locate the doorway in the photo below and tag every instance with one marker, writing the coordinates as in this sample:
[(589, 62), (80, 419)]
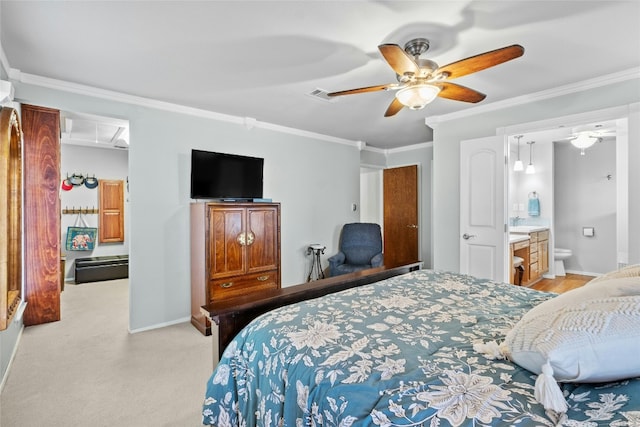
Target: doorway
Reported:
[(620, 116), (395, 210), (94, 149), (400, 211), (582, 193)]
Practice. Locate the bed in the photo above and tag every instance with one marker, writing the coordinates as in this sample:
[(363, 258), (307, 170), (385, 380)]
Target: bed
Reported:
[(400, 352)]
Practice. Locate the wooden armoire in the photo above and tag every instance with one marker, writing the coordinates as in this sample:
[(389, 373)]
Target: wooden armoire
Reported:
[(235, 251)]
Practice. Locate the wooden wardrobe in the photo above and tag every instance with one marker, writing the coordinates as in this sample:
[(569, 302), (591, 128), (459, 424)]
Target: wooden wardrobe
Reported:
[(235, 251)]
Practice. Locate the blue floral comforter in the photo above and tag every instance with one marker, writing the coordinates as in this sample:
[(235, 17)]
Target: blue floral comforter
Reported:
[(397, 353)]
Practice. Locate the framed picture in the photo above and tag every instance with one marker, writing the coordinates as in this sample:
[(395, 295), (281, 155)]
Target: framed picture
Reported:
[(81, 238)]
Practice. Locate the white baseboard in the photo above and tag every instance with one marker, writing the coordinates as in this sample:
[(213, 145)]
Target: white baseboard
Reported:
[(160, 325), (13, 355)]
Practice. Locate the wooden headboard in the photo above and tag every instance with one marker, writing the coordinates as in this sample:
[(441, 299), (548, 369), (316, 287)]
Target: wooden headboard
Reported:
[(231, 315)]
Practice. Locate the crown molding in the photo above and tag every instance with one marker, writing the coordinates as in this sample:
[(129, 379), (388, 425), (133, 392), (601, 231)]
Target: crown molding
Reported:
[(387, 151), (608, 79), (410, 147), (248, 122), (365, 147)]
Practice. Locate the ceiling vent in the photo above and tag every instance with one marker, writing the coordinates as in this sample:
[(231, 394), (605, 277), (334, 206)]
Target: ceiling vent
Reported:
[(323, 95)]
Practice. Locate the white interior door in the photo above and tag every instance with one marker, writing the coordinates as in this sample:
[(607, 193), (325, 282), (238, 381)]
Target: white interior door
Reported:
[(483, 236)]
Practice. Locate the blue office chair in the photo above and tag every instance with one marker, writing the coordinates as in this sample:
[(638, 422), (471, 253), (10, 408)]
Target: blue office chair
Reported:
[(360, 248)]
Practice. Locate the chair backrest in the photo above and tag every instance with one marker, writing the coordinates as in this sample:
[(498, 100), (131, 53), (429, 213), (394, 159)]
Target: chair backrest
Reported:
[(360, 241)]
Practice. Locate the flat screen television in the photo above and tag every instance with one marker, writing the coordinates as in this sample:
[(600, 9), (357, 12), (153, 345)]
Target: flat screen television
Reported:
[(225, 176)]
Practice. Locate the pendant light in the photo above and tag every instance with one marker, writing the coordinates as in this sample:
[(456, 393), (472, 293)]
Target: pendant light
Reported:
[(530, 168), (518, 166)]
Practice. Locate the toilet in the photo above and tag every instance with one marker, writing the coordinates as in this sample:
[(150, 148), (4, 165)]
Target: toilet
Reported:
[(559, 255)]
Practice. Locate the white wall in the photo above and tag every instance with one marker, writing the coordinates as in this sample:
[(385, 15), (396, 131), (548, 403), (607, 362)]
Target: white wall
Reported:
[(586, 198), (371, 205), (522, 185), (103, 163), (315, 180), (449, 132)]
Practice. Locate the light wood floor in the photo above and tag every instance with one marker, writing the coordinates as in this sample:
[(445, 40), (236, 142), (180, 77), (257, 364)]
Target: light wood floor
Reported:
[(561, 284)]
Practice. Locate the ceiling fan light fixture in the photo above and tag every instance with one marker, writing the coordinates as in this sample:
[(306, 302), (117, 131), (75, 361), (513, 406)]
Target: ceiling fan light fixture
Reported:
[(584, 140), (417, 96)]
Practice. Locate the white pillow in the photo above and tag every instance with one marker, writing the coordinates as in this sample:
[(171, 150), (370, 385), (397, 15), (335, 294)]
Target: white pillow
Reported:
[(628, 271), (589, 334)]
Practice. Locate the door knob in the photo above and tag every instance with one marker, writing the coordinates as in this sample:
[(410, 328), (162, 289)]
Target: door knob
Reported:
[(412, 226), (466, 236)]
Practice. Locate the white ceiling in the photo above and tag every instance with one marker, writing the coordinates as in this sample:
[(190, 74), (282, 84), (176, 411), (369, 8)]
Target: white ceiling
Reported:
[(261, 59), (93, 131)]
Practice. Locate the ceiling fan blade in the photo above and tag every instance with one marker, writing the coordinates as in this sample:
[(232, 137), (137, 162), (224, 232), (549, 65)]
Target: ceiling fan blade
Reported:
[(398, 59), (481, 61), (459, 93), (394, 107), (364, 89)]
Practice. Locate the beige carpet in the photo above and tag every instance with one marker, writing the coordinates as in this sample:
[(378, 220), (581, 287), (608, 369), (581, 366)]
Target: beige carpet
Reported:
[(87, 370)]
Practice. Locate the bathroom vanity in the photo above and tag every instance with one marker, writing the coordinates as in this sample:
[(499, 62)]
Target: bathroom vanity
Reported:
[(531, 243)]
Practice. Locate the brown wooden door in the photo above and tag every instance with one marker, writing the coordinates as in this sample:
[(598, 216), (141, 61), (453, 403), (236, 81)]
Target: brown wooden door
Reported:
[(111, 224), (41, 131), (400, 193), (262, 252)]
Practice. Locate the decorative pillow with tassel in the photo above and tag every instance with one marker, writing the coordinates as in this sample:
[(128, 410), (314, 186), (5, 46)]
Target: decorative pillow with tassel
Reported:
[(587, 335)]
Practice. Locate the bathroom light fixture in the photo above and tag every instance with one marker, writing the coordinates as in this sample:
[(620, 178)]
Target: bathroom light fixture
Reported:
[(417, 96), (530, 168), (518, 166), (584, 140)]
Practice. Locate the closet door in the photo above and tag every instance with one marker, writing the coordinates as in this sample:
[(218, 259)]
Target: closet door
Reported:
[(111, 222), (41, 130)]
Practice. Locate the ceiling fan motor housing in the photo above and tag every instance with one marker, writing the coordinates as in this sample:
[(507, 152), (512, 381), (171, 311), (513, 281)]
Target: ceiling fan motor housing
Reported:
[(416, 47)]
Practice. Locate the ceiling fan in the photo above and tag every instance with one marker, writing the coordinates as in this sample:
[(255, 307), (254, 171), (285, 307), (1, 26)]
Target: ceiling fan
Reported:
[(585, 138), (420, 81)]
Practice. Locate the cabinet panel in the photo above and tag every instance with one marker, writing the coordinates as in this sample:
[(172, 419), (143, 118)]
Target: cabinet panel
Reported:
[(533, 271), (226, 254), (262, 253), (242, 285), (543, 256), (111, 218)]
